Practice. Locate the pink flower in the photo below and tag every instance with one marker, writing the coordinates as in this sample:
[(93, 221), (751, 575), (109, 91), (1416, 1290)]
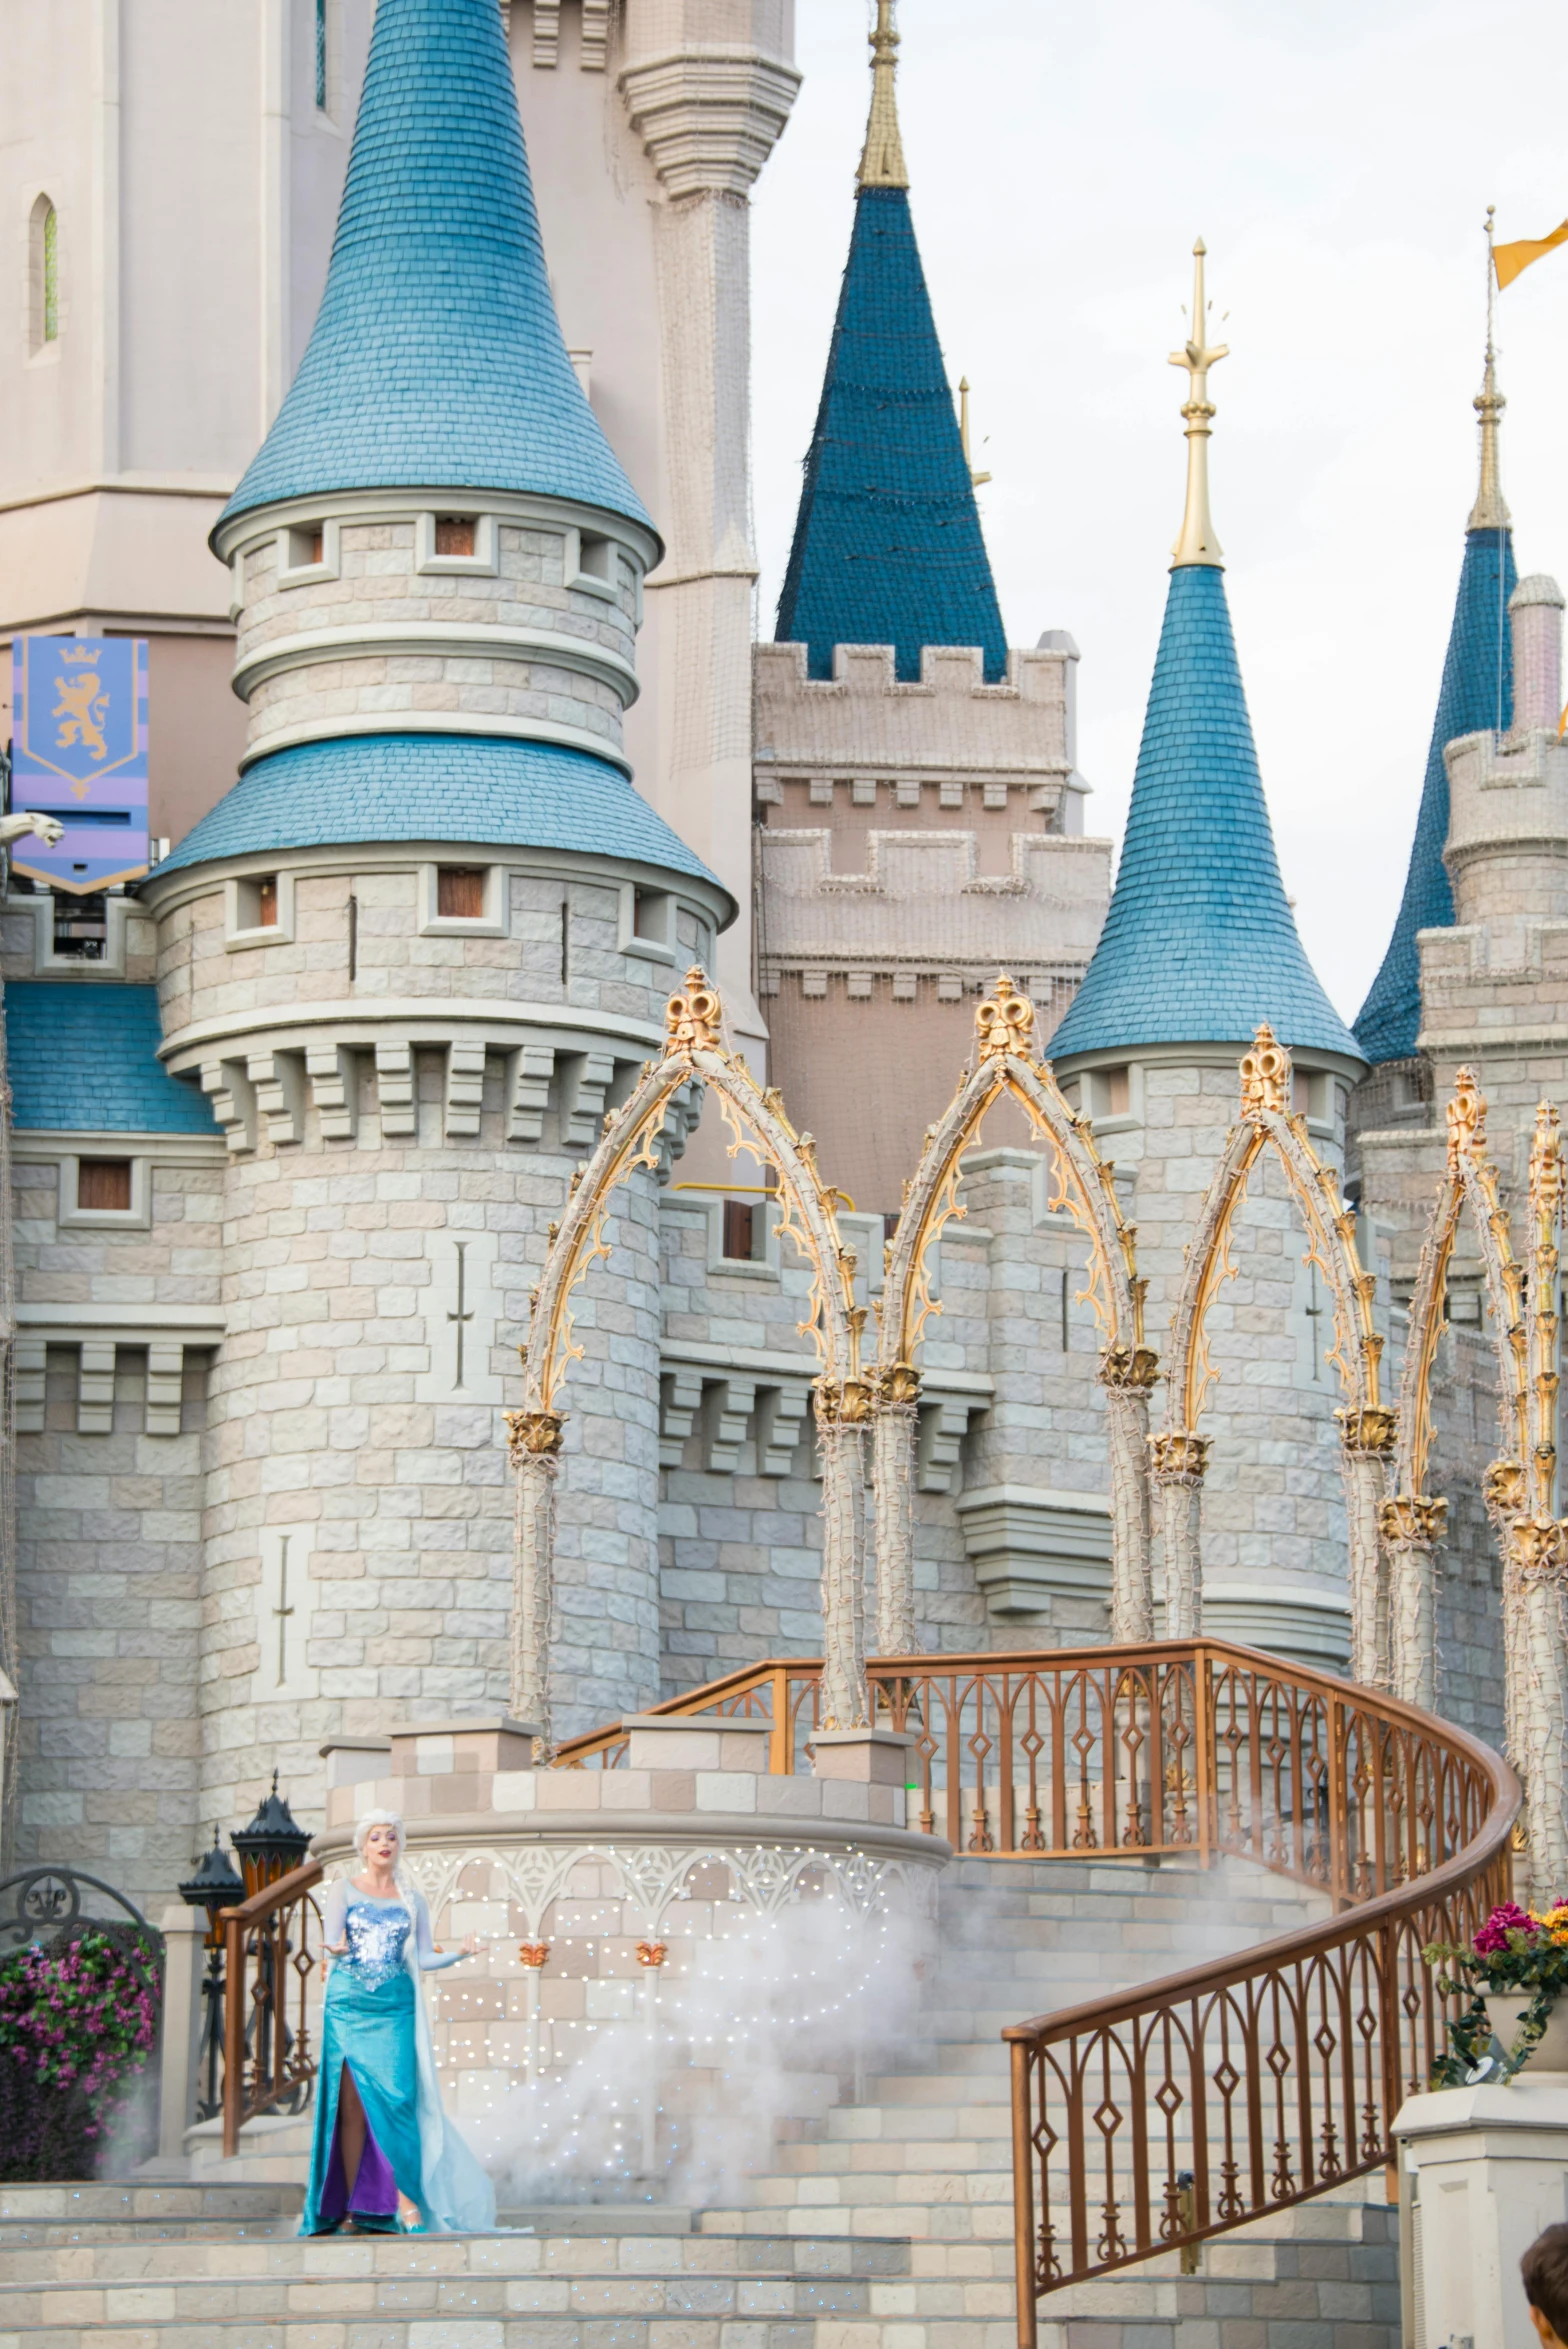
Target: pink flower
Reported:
[(1493, 1935)]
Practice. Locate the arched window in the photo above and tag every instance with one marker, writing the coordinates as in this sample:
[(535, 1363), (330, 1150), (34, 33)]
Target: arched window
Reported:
[(44, 273)]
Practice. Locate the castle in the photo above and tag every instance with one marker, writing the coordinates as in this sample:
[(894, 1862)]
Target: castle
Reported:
[(446, 554)]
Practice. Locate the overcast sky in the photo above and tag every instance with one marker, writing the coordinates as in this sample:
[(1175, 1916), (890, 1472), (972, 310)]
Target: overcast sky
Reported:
[(1338, 160)]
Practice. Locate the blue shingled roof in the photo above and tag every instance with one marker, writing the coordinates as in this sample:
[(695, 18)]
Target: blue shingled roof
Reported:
[(459, 788), (1477, 691), (436, 360), (1199, 944), (888, 548), (83, 1058)]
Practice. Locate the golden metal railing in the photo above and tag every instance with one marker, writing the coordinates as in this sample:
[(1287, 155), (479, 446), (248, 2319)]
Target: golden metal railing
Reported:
[(1151, 2119), (266, 2061)]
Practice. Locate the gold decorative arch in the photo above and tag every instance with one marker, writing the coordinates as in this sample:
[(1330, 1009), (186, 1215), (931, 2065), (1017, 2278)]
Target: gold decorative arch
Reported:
[(1520, 1486), (1005, 1064), (1412, 1522), (1367, 1426), (695, 1048)]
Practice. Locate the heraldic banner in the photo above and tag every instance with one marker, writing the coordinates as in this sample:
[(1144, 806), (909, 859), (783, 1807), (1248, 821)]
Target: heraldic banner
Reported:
[(79, 754)]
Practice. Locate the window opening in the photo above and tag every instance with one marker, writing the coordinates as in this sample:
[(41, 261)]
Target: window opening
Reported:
[(321, 55), (267, 902), (81, 927), (104, 1184), (353, 939), (454, 534), (566, 941), (739, 1230), (460, 893), (1315, 1311), (51, 256)]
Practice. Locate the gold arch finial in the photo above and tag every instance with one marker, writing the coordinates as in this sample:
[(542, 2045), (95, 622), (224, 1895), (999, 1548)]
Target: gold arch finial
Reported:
[(882, 157), (1490, 511), (1197, 542)]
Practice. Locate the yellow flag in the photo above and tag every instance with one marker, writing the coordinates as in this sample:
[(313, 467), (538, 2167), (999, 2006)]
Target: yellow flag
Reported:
[(1508, 260)]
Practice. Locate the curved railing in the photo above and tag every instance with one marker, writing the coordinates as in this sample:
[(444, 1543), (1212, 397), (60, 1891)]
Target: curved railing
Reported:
[(268, 1964), (1153, 2118)]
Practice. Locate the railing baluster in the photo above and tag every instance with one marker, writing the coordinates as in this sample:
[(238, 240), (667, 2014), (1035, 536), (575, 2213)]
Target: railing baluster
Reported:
[(1023, 2197)]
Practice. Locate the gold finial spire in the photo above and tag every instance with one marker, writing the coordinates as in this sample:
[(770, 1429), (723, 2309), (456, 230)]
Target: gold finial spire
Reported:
[(882, 157), (1490, 511), (1197, 542), (976, 480)]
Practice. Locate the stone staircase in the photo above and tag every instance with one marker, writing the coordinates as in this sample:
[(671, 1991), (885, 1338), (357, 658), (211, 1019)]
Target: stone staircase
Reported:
[(884, 2224)]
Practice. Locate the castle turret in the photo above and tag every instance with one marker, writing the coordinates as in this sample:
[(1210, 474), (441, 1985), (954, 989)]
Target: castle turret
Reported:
[(416, 951), (1476, 691), (915, 781), (1199, 946)]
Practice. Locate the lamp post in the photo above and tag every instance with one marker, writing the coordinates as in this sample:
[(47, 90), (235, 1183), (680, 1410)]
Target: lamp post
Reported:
[(270, 1847), (272, 1844), (216, 1885)]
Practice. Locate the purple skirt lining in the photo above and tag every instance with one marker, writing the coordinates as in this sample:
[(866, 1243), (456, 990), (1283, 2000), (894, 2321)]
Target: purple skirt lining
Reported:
[(374, 2191)]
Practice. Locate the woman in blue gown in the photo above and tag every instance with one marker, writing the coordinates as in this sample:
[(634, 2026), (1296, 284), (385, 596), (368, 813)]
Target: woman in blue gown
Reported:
[(380, 2130)]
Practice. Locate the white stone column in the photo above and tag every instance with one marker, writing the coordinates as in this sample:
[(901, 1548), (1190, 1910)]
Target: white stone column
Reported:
[(1485, 2167), (534, 1442), (1179, 1463), (1411, 1530), (709, 90), (1541, 1704), (1132, 1585), (184, 1933), (842, 1408), (894, 1427), (1367, 1437)]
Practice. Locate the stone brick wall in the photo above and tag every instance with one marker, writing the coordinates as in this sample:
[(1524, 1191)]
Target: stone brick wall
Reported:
[(382, 626)]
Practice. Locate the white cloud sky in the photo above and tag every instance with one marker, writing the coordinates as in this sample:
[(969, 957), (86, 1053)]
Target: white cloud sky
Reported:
[(1338, 160)]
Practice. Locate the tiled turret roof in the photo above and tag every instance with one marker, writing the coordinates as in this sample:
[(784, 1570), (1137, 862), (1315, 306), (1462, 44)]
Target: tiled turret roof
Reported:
[(437, 360), (83, 1058), (459, 789), (888, 547), (1477, 691), (1199, 944)]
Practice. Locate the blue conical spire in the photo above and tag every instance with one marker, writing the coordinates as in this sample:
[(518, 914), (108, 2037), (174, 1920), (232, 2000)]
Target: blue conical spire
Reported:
[(888, 547), (437, 360), (1199, 944), (1477, 691)]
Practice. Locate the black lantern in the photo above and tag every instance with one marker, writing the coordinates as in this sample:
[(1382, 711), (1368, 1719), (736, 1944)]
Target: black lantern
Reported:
[(272, 1844), (217, 1884)]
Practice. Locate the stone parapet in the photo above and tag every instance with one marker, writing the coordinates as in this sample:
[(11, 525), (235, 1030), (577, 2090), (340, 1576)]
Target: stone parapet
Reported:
[(862, 720)]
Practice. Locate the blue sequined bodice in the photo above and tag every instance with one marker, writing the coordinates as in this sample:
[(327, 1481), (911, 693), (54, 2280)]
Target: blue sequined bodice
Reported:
[(375, 1931)]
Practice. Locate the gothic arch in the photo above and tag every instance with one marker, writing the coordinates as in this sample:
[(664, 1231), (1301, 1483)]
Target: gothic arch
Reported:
[(694, 1048), (1520, 1485), (1005, 1063), (1367, 1426)]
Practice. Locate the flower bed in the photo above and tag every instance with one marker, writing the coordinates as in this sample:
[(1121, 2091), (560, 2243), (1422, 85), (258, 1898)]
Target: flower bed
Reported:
[(78, 2023), (1523, 1950)]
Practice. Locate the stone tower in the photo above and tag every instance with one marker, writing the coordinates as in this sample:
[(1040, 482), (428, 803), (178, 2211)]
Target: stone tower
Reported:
[(1478, 959), (1199, 946), (1476, 692), (919, 809), (411, 956)]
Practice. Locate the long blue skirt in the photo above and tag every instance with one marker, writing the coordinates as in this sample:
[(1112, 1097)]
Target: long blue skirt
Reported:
[(372, 2032)]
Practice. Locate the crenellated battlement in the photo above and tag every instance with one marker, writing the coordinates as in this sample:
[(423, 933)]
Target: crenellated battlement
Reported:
[(863, 718)]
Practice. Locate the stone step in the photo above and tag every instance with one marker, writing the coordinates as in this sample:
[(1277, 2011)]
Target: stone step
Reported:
[(88, 2205), (106, 2254), (443, 2292)]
